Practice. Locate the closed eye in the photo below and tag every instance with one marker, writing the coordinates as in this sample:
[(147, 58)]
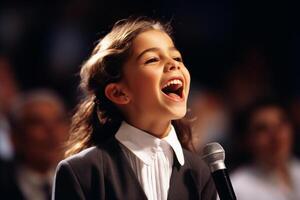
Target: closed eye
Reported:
[(178, 59), (151, 60)]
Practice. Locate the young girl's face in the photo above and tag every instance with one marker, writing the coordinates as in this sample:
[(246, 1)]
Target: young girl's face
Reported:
[(156, 79)]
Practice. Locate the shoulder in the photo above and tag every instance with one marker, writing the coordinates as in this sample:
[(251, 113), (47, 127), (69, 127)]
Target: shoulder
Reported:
[(295, 162), (249, 182), (90, 157), (243, 172), (295, 169), (195, 162), (201, 175), (80, 168), (245, 175), (89, 161), (81, 173), (8, 184), (86, 157), (197, 166)]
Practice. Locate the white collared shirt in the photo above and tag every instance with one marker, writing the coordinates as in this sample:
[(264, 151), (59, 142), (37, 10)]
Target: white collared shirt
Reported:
[(151, 158), (250, 182)]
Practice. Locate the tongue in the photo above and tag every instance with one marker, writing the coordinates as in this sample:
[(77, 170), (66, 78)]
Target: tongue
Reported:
[(173, 95), (172, 91)]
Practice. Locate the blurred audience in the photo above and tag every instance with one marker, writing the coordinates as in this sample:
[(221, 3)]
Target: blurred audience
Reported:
[(8, 93), (294, 109), (265, 141), (39, 129), (210, 118), (249, 79)]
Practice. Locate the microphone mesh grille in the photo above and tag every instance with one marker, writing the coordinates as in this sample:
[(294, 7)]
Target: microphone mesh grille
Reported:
[(213, 152)]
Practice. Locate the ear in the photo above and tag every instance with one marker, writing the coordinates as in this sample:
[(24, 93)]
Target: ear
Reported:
[(116, 93)]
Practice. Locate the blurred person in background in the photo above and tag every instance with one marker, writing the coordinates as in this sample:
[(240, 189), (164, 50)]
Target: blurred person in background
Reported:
[(39, 129), (249, 78), (294, 109), (269, 169), (210, 118), (8, 93)]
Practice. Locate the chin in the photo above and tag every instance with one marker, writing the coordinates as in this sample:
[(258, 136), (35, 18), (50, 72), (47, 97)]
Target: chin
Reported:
[(178, 113)]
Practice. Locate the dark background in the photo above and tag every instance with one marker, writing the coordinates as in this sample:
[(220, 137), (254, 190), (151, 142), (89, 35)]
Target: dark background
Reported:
[(47, 41)]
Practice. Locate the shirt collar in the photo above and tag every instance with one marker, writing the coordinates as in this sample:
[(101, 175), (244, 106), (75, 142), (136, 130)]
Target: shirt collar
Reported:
[(144, 145), (26, 174)]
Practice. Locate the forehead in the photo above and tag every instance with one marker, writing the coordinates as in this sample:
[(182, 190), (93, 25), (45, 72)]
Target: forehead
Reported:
[(150, 39), (41, 108), (268, 114)]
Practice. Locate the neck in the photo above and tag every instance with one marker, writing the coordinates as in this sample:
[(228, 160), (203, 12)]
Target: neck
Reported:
[(158, 129), (42, 170)]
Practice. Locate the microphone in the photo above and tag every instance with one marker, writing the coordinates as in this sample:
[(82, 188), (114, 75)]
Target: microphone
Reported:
[(214, 155)]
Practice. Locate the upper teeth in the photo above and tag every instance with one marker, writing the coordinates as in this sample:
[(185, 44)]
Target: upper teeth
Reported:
[(174, 82)]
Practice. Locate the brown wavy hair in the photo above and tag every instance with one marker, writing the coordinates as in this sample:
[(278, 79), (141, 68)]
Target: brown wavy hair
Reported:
[(96, 118)]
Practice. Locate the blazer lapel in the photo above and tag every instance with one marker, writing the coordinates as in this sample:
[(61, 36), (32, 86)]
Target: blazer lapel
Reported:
[(182, 184), (134, 189)]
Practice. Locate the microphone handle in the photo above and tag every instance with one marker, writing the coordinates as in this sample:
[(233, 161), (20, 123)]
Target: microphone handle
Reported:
[(223, 185)]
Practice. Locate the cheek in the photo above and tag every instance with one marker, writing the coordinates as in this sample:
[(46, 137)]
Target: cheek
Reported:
[(188, 77), (260, 143), (36, 133), (59, 134), (286, 139), (144, 83), (186, 72)]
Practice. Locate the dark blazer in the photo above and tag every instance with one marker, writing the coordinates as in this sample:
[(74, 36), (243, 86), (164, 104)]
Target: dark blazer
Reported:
[(103, 172), (9, 188)]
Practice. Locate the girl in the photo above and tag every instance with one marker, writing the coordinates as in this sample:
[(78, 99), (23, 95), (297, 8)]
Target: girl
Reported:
[(124, 141)]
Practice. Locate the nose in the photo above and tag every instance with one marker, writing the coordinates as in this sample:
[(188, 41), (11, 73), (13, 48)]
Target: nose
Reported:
[(172, 65)]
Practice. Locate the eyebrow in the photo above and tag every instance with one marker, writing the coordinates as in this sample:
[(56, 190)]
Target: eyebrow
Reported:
[(154, 49)]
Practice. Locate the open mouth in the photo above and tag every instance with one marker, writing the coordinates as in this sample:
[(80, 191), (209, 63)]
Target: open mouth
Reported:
[(173, 88)]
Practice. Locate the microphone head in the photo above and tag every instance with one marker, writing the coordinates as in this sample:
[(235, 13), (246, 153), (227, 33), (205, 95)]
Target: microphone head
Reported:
[(214, 155)]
